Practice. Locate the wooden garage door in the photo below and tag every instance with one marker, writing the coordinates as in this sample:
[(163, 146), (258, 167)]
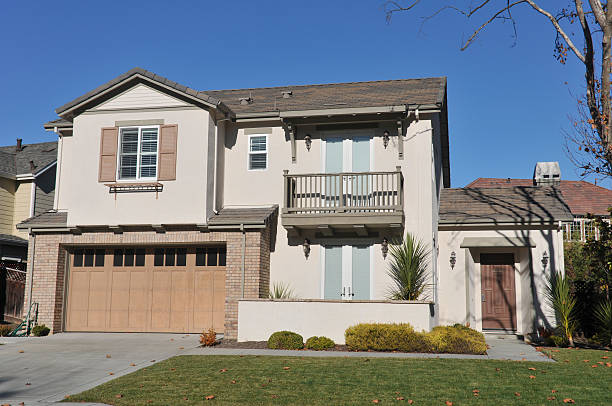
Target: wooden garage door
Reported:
[(171, 289)]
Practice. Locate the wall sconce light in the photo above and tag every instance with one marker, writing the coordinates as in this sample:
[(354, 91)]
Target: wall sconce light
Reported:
[(306, 247), (384, 247), (386, 138), (544, 260), (453, 259), (308, 141)]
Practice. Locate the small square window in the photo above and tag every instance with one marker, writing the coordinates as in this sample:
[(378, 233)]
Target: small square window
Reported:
[(78, 258), (140, 257), (118, 258), (89, 258), (222, 256), (170, 254), (159, 257), (211, 256), (100, 257), (181, 257), (200, 256), (128, 258)]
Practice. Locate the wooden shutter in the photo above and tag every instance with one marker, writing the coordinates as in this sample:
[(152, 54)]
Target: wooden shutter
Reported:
[(108, 154), (167, 152)]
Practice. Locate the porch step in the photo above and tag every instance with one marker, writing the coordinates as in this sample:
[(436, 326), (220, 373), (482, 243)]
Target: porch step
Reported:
[(502, 335)]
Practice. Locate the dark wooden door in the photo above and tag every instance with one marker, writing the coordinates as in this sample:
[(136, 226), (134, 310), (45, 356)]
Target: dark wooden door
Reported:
[(498, 291)]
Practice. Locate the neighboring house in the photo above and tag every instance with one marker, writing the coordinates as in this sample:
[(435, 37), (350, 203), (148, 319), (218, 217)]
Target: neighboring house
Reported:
[(583, 198), (27, 185), (176, 209)]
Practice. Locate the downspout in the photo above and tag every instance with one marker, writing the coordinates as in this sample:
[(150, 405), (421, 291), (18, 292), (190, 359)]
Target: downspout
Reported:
[(243, 260), (58, 168), (31, 268)]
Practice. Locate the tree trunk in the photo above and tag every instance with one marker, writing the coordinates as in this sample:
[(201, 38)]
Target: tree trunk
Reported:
[(605, 84)]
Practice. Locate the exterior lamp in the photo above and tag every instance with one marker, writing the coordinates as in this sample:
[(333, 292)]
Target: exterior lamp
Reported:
[(384, 247), (306, 247), (544, 260), (386, 138), (453, 259), (308, 141)]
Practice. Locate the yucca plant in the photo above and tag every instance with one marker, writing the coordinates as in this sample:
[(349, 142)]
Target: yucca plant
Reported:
[(281, 291), (603, 314), (408, 269), (563, 303)]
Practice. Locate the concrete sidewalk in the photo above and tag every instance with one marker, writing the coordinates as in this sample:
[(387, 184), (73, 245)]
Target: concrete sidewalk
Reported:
[(501, 348), (39, 371)]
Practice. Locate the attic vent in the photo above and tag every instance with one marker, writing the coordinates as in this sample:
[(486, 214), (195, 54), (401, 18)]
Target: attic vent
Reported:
[(547, 173), (287, 94), (246, 100)]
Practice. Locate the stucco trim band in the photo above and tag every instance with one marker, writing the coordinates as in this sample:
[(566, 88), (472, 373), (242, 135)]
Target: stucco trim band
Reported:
[(496, 242)]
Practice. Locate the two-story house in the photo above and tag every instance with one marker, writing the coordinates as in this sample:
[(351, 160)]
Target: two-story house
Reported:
[(175, 208)]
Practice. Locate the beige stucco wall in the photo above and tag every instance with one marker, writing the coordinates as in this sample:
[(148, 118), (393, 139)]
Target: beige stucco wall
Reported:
[(88, 201), (422, 175), (7, 204), (459, 288), (258, 319), (23, 206)]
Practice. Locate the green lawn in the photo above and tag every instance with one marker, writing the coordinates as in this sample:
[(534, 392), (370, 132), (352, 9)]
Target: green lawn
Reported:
[(187, 380)]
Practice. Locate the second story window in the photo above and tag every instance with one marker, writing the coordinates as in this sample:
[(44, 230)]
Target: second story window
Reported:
[(258, 152), (138, 153)]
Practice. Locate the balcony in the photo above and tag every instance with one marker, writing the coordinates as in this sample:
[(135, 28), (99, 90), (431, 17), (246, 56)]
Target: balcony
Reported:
[(344, 204)]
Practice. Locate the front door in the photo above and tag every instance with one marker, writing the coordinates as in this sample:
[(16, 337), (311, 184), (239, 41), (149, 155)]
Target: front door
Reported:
[(498, 291), (347, 273)]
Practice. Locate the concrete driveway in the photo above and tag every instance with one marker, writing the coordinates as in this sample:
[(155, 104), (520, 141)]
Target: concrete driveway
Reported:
[(49, 368)]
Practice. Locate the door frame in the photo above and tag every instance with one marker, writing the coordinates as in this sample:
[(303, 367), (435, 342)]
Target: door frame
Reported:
[(347, 267), (515, 311)]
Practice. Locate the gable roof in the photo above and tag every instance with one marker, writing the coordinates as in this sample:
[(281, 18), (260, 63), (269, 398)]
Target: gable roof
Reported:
[(582, 197), (48, 219), (13, 162), (140, 75), (426, 91), (510, 205)]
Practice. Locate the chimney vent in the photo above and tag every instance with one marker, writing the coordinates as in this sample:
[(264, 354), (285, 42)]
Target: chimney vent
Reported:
[(19, 147), (547, 173), (32, 166)]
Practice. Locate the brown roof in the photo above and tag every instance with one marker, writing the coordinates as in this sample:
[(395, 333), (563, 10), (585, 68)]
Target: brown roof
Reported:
[(582, 197), (243, 215), (518, 205), (426, 91), (45, 220)]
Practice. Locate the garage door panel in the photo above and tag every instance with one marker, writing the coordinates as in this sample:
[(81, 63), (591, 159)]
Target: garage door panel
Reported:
[(132, 295)]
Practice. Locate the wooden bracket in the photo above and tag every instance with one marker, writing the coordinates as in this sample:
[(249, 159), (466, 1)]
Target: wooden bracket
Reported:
[(400, 140)]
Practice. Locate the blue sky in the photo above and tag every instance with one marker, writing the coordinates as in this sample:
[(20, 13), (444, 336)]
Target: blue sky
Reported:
[(508, 105)]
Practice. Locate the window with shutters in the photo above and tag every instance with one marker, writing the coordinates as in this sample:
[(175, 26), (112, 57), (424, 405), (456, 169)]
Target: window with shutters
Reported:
[(258, 152), (138, 149)]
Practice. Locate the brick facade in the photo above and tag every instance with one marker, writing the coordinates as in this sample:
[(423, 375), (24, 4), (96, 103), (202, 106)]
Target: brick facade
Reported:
[(49, 264)]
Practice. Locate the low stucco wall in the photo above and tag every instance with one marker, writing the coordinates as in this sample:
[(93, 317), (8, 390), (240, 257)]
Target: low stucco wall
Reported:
[(259, 318)]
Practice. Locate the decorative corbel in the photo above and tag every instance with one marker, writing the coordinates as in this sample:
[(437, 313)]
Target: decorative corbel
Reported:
[(400, 140), (292, 130)]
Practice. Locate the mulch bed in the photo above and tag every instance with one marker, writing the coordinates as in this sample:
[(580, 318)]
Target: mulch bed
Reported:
[(259, 345)]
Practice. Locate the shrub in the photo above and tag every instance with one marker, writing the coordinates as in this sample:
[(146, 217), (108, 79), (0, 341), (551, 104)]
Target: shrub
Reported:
[(208, 338), (556, 341), (563, 302), (385, 337), (286, 340), (456, 339), (408, 269), (319, 343), (5, 329), (603, 313), (40, 331), (281, 291)]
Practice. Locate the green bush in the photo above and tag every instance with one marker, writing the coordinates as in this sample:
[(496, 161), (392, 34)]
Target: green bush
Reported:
[(319, 343), (40, 330), (285, 340), (385, 337), (557, 341), (5, 329), (456, 339)]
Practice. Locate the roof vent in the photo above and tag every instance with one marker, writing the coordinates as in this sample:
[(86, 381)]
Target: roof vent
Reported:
[(287, 94), (32, 166), (547, 173), (246, 100)]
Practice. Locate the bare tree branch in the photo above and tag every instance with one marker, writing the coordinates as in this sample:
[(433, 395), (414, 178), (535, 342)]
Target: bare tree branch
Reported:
[(598, 11)]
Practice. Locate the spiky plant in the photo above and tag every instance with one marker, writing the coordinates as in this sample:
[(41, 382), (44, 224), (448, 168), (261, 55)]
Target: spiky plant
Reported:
[(408, 268), (559, 295), (281, 291), (603, 313)]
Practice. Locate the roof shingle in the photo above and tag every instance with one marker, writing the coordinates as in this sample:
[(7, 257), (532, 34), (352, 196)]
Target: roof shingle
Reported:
[(15, 162), (48, 219), (519, 205), (243, 215)]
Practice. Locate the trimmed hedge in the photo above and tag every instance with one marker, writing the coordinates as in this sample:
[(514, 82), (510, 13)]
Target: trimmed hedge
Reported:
[(455, 339), (319, 343), (285, 340), (40, 331)]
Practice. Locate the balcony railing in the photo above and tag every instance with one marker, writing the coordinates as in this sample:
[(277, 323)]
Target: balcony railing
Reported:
[(346, 192)]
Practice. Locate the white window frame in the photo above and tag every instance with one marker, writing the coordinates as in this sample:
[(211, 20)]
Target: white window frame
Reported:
[(138, 178), (266, 153)]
